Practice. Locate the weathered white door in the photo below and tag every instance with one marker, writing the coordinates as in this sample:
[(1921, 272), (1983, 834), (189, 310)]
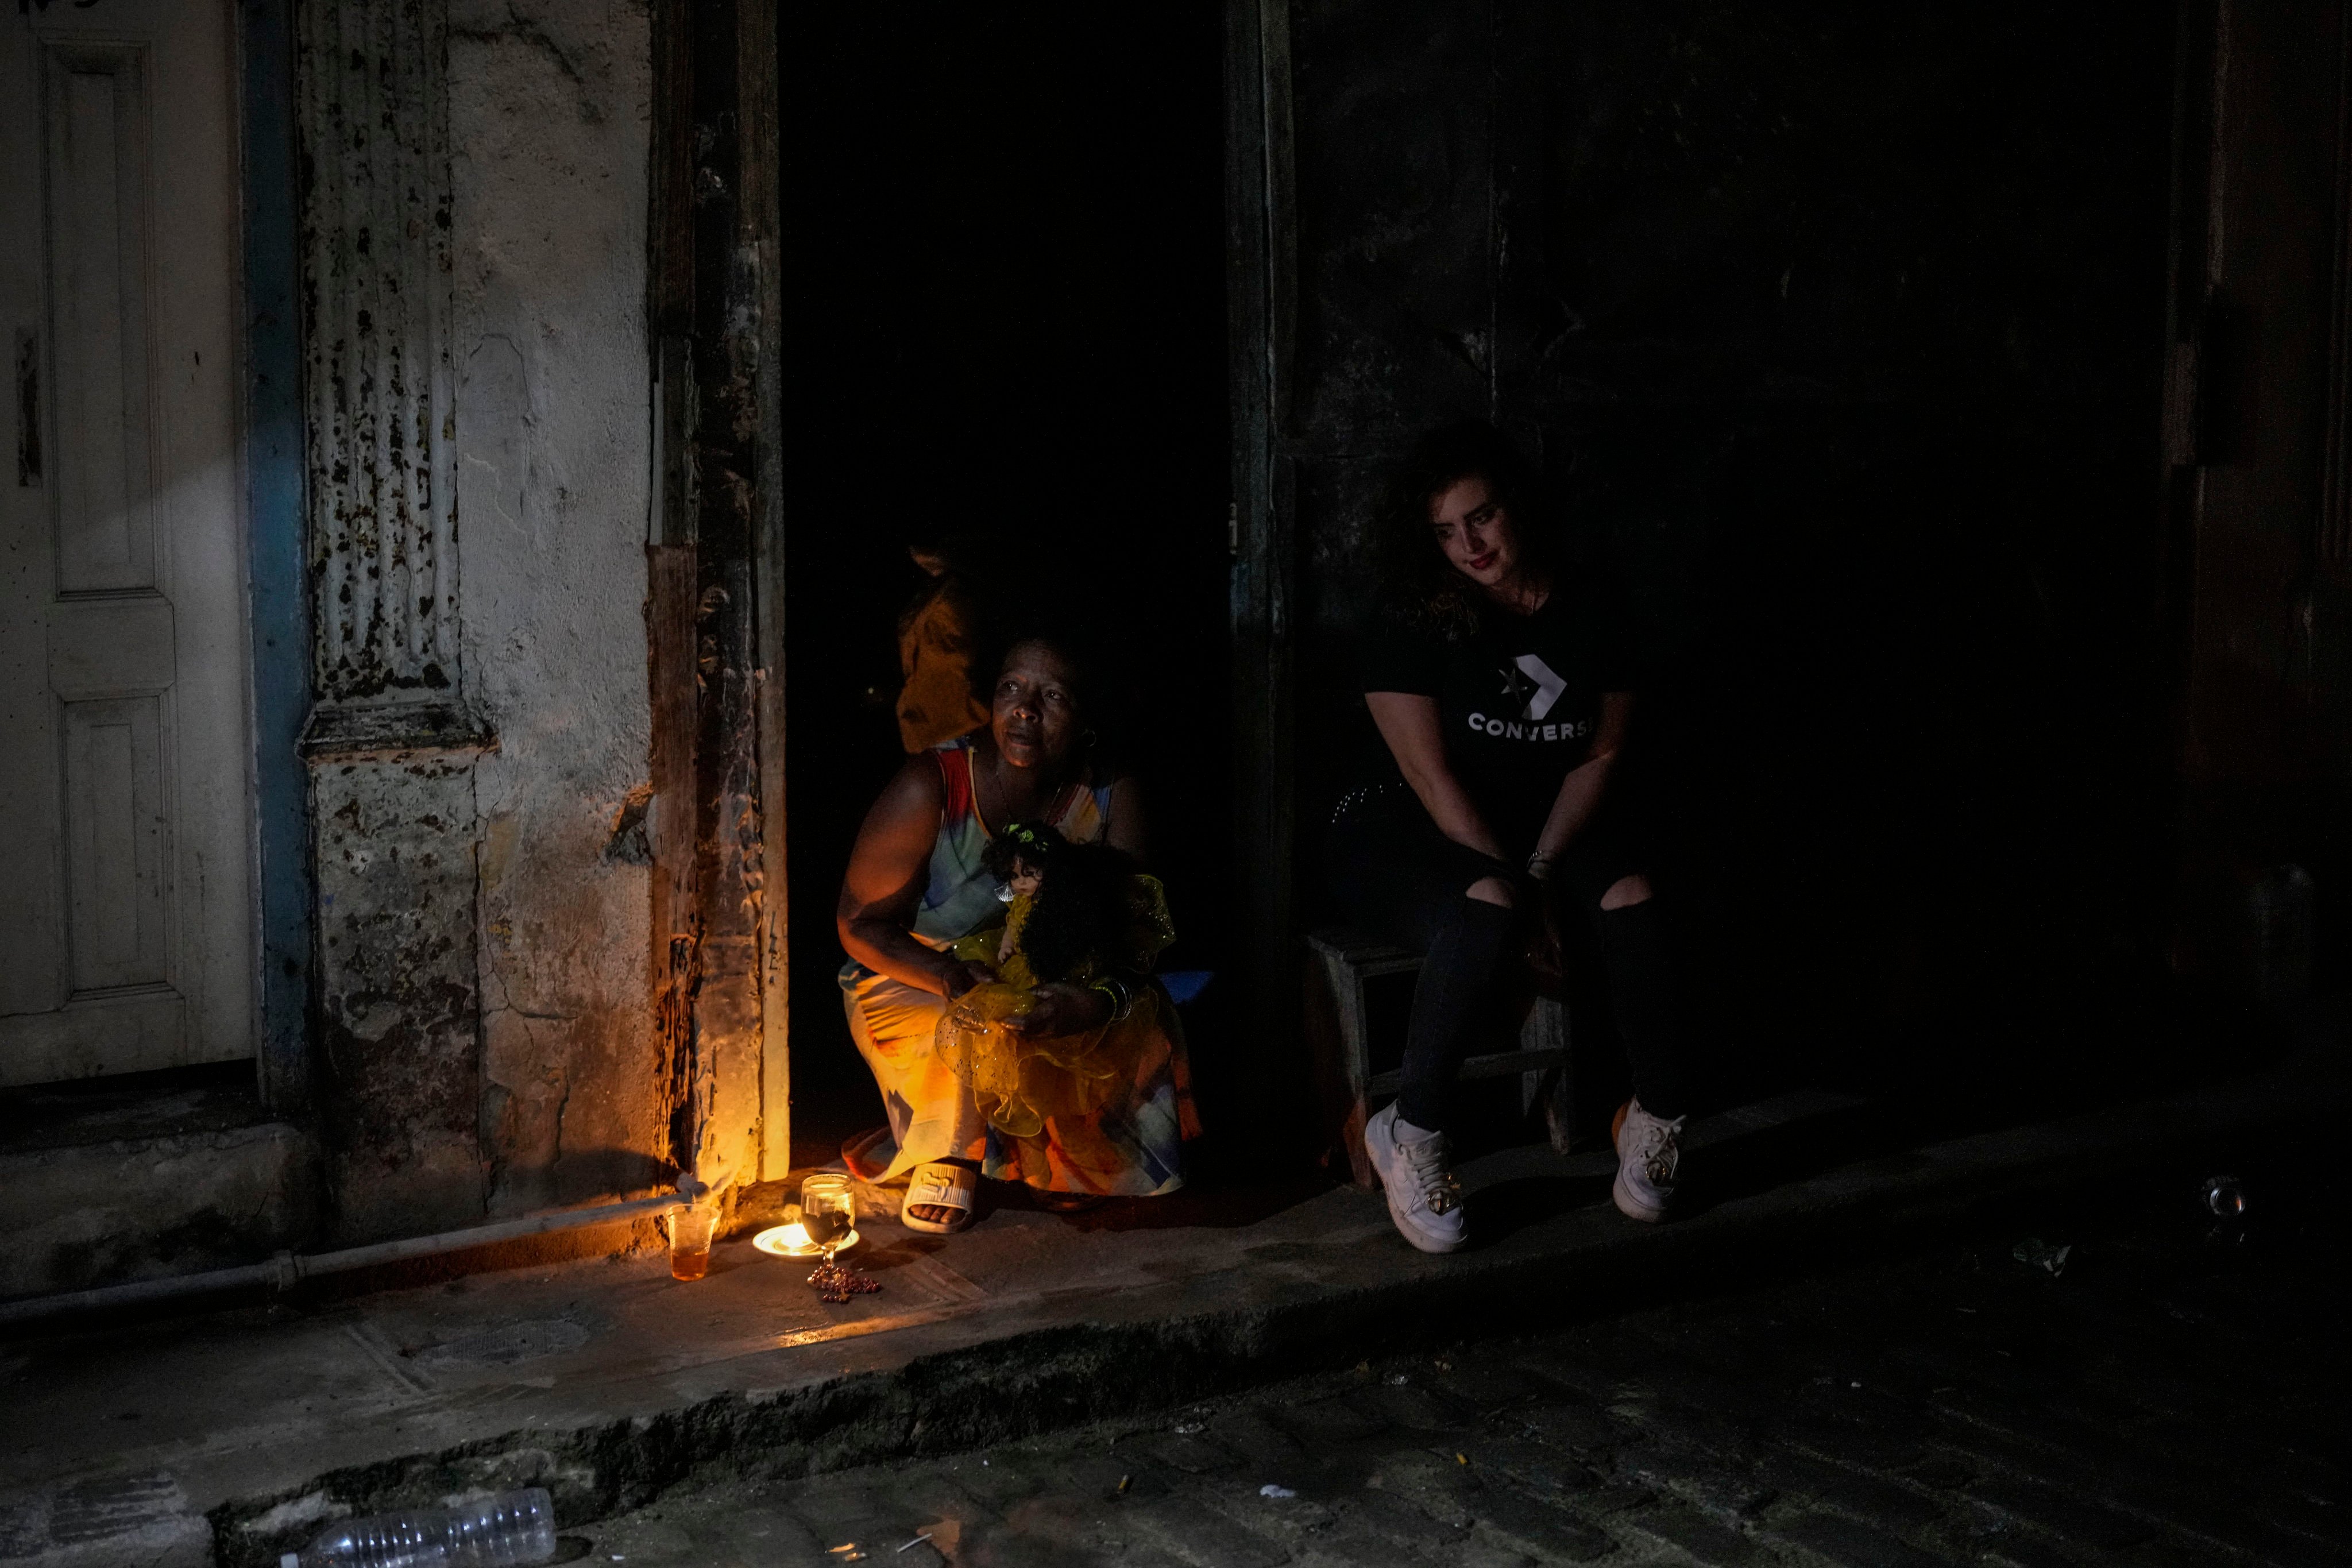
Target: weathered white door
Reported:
[(126, 881)]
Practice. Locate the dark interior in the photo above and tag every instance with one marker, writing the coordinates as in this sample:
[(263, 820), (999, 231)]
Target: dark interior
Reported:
[(1842, 340), (1006, 314), (1840, 336)]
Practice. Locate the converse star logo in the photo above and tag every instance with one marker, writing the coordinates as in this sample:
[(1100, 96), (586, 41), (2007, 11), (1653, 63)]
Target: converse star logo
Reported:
[(1529, 680)]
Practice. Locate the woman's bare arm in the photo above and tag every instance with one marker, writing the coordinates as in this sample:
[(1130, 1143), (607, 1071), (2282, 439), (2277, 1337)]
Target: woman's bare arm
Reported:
[(1411, 726), (1580, 793), (888, 867)]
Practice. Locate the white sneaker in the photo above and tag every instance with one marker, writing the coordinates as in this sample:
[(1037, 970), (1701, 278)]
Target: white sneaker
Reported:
[(1425, 1199), (1648, 1152)]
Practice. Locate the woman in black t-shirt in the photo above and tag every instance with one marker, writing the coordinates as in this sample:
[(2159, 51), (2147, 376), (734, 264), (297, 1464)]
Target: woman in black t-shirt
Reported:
[(1498, 680)]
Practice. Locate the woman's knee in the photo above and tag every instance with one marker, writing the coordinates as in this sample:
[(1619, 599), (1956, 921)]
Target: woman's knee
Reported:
[(1495, 891), (1626, 893)]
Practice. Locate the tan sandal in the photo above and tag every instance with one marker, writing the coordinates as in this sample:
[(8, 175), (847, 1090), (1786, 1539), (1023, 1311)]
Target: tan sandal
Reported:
[(938, 1185)]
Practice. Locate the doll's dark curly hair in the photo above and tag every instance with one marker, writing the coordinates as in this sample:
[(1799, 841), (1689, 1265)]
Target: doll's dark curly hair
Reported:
[(1081, 910)]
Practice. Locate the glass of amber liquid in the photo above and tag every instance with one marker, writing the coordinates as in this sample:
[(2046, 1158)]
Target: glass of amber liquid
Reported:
[(690, 1225), (828, 1210)]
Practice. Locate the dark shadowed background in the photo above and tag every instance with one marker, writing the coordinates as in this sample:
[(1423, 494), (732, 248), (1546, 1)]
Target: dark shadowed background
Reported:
[(1840, 331), (1005, 300)]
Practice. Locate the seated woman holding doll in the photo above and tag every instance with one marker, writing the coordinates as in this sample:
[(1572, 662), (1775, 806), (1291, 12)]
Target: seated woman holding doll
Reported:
[(1027, 1043)]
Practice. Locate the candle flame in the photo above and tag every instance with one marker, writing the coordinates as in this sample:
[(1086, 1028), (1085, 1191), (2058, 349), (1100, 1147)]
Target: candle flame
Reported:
[(792, 1239)]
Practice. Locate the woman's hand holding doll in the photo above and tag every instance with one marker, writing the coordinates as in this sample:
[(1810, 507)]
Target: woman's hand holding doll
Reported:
[(1053, 1029), (1062, 1008), (960, 976)]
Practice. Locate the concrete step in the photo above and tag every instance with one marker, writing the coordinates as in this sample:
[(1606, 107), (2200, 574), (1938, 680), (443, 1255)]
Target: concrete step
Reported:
[(116, 1521), (607, 1381), (144, 1177)]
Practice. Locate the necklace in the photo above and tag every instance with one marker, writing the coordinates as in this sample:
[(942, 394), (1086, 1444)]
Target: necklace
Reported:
[(987, 780)]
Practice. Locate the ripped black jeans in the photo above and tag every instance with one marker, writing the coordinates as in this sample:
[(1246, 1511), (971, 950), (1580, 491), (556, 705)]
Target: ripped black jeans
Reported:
[(1396, 876)]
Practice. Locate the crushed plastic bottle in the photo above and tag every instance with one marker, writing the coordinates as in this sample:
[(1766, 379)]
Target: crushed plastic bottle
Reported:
[(502, 1532)]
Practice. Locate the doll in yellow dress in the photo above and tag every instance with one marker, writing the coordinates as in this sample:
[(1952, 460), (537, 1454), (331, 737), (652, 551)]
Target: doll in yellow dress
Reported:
[(1079, 915)]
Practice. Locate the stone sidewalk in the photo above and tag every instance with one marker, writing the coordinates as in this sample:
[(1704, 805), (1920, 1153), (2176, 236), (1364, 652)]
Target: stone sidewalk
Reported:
[(2166, 1399), (226, 1436)]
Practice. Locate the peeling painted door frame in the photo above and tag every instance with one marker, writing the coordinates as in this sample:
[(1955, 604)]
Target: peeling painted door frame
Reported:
[(1261, 252), (713, 618), (279, 582)]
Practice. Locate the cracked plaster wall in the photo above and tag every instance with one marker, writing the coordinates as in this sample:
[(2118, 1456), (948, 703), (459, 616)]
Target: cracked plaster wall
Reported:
[(396, 958), (549, 115), (483, 946)]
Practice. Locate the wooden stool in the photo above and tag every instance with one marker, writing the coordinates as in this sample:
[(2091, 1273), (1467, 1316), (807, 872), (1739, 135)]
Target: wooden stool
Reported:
[(1351, 958)]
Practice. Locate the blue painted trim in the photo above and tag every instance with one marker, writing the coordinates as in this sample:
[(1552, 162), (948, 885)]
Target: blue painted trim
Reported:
[(279, 584)]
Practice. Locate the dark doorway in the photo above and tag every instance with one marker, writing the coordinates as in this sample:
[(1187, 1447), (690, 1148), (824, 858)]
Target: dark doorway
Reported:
[(1836, 330), (1005, 311)]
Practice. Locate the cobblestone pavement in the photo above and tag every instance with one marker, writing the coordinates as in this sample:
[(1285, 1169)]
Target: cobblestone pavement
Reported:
[(2169, 1397)]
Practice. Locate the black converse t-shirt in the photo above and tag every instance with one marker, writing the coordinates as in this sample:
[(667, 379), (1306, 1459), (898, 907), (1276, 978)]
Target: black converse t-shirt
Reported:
[(1518, 701)]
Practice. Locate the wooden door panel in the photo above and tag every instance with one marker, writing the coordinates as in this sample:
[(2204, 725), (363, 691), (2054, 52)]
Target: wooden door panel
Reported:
[(124, 1031), (115, 842), (94, 101), (111, 648), (124, 732)]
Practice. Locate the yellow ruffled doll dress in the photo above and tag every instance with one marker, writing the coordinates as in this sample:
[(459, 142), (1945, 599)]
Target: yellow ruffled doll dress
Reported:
[(1045, 1089)]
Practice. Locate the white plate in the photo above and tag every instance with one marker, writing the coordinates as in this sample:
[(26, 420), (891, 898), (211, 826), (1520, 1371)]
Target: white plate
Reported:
[(771, 1241)]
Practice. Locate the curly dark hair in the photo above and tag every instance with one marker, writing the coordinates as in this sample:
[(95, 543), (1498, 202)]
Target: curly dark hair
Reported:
[(1081, 910), (1418, 585)]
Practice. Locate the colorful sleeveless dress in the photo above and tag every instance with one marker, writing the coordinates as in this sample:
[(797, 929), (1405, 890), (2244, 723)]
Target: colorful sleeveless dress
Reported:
[(1131, 1145)]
